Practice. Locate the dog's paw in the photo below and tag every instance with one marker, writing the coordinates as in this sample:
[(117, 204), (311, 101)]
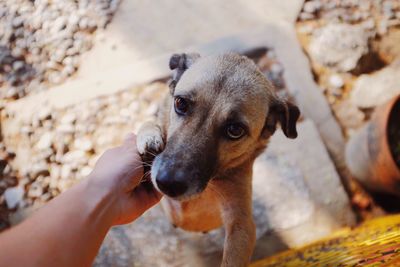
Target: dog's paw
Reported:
[(150, 145)]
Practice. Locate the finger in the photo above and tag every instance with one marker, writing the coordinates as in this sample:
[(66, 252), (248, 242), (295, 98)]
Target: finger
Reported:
[(145, 197), (148, 185), (130, 139)]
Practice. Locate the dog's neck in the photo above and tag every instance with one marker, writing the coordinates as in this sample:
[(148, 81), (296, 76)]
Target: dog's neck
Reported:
[(242, 170)]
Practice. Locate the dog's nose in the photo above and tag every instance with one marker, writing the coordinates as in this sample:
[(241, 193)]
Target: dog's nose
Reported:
[(170, 185)]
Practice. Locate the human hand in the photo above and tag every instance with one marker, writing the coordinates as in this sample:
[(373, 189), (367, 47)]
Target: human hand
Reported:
[(117, 176)]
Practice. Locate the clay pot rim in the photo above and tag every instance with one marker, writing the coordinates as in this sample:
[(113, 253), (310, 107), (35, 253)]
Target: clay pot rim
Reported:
[(390, 106)]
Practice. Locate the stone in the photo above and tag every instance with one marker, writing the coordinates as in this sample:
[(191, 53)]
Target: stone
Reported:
[(38, 169), (306, 16), (68, 118), (45, 141), (44, 113), (73, 19), (35, 190), (371, 90), (388, 9), (18, 22), (75, 156), (348, 114), (383, 27), (85, 171), (45, 197), (368, 24), (306, 29), (84, 144), (339, 46), (24, 181), (83, 23), (125, 113), (64, 185), (336, 81), (66, 128), (66, 171), (68, 70), (11, 93), (17, 65), (389, 50), (45, 154), (13, 196), (47, 125), (312, 6), (58, 25), (134, 107), (93, 160)]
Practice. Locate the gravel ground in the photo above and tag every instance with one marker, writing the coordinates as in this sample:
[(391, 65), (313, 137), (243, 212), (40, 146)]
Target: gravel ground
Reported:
[(41, 41), (377, 13)]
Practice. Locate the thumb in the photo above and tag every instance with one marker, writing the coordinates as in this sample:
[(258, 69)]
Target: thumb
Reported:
[(145, 196)]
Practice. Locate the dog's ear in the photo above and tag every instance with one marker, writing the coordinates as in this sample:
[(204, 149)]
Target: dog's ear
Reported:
[(179, 63), (284, 112)]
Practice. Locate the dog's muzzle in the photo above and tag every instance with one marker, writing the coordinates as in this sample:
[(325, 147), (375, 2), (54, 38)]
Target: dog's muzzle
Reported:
[(171, 182)]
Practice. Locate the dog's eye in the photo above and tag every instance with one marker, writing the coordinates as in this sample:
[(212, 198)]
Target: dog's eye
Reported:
[(234, 131), (181, 105)]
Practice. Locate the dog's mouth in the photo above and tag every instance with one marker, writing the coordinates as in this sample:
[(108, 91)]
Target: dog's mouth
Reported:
[(175, 192), (184, 198), (175, 188), (179, 178)]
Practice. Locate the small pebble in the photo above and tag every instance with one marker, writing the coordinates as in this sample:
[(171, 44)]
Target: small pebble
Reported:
[(45, 141), (13, 196), (312, 6), (336, 81), (35, 190)]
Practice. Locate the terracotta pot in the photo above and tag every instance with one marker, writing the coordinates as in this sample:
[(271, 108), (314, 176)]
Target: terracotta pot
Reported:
[(369, 156)]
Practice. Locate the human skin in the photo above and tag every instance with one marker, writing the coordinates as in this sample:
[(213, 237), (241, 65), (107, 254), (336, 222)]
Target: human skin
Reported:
[(69, 230)]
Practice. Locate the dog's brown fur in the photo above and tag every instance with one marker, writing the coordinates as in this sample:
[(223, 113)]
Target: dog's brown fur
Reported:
[(194, 152)]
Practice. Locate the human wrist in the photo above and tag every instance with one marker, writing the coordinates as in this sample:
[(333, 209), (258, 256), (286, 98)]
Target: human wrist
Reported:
[(100, 201)]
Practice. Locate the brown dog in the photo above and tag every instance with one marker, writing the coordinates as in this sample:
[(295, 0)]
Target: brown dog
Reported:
[(218, 118)]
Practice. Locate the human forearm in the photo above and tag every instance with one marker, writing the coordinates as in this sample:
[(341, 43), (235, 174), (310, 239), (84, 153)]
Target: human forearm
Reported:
[(69, 230), (66, 232)]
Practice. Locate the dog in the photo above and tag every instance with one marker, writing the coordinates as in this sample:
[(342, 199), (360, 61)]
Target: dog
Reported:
[(217, 118)]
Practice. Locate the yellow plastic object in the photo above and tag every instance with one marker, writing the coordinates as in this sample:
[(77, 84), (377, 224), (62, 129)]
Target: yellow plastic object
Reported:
[(374, 243)]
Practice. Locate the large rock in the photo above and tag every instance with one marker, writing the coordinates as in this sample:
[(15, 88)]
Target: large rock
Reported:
[(297, 198), (375, 89), (339, 46)]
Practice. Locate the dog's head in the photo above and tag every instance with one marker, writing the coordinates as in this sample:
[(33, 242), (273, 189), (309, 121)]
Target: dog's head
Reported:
[(223, 111)]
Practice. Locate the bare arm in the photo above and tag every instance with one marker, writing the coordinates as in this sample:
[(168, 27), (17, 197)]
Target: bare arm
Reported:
[(69, 230)]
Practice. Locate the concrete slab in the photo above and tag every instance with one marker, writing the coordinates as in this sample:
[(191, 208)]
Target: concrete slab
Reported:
[(144, 29)]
